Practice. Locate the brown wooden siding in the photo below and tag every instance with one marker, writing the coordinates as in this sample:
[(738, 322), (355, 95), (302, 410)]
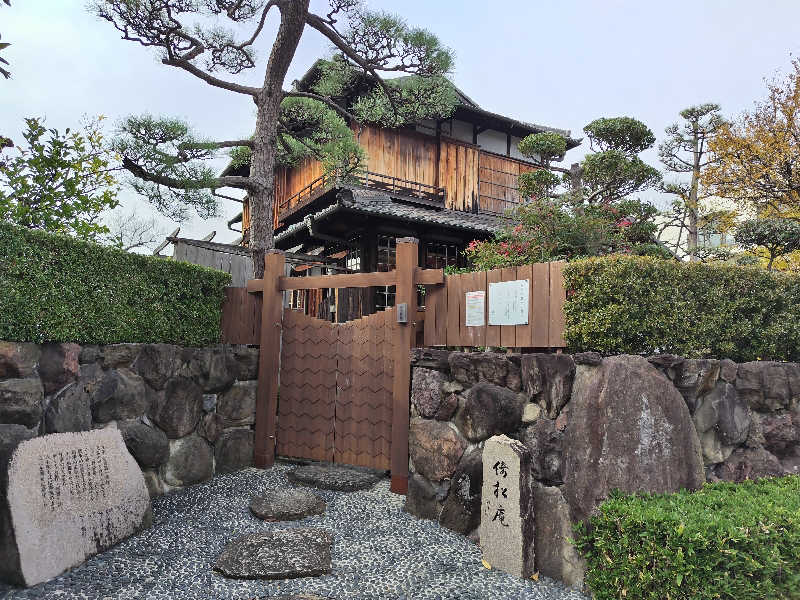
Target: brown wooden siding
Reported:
[(458, 170), (473, 179), (402, 154), (290, 181), (498, 181)]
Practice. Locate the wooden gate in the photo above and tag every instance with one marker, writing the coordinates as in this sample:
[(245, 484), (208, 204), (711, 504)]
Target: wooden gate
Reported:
[(336, 390)]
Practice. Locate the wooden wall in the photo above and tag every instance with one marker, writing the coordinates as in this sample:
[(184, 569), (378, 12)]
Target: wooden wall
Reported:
[(290, 181), (473, 178), (445, 309), (403, 154), (458, 174), (498, 181)]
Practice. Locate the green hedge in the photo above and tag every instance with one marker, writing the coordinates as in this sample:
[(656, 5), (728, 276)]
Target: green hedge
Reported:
[(56, 288), (726, 541), (642, 305)]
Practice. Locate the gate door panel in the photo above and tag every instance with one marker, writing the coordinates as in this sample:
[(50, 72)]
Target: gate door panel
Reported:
[(363, 430), (306, 401), (335, 397)]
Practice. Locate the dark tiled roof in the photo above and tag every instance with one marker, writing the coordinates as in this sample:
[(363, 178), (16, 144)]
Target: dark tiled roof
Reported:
[(381, 203)]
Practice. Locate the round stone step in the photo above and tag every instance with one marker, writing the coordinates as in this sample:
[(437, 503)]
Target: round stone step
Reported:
[(340, 479), (287, 505), (281, 554)]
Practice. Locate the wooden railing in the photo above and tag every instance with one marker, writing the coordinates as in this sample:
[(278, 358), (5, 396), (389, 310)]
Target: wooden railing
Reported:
[(430, 194)]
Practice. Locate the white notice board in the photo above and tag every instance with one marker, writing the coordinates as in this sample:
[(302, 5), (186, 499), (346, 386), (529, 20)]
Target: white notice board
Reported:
[(508, 302), (476, 308)]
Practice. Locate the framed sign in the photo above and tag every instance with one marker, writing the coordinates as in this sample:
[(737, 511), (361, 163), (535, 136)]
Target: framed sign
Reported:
[(508, 302), (476, 308)]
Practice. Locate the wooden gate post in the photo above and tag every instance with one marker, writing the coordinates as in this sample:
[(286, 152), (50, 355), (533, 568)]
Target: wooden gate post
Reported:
[(404, 336), (269, 357)]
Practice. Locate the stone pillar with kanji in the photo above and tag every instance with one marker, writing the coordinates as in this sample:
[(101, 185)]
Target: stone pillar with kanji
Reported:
[(506, 532)]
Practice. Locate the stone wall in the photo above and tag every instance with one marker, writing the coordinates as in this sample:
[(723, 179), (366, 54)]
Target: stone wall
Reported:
[(184, 413), (592, 424)]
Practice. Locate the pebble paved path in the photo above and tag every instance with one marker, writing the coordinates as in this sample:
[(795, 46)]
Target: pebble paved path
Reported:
[(379, 552)]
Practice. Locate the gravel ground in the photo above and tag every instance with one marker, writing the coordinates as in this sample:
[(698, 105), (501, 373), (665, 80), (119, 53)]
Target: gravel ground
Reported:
[(379, 552)]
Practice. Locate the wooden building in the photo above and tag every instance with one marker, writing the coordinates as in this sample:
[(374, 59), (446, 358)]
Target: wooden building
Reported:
[(445, 182)]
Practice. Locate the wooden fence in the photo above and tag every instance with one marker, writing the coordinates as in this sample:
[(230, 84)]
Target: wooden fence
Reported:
[(445, 309)]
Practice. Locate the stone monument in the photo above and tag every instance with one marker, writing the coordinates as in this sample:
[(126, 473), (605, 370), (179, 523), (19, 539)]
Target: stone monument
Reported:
[(70, 496), (506, 532)]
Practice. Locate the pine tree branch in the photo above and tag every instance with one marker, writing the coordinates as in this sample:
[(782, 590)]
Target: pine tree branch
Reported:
[(245, 183), (325, 100), (320, 25), (184, 64)]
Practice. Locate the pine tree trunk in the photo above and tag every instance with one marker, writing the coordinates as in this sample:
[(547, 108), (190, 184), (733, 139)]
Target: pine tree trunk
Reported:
[(268, 102), (693, 208)]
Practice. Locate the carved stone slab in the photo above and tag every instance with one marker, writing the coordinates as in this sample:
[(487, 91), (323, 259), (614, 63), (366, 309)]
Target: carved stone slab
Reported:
[(70, 496), (507, 507)]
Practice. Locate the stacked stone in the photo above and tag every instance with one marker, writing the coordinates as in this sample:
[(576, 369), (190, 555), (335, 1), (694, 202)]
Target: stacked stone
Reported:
[(592, 424), (184, 413)]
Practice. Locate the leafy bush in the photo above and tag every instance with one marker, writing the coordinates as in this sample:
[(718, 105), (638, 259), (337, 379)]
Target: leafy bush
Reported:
[(726, 541), (643, 305), (57, 288)]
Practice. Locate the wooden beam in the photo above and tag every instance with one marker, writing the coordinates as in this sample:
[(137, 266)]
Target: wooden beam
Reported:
[(255, 286), (349, 280), (269, 357), (428, 276), (404, 337)]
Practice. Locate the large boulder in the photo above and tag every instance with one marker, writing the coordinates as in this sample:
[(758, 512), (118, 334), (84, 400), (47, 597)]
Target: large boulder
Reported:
[(490, 410), (426, 391), (781, 432), (58, 366), (547, 379), (234, 450), (220, 369), (190, 461), (246, 359), (545, 443), (461, 511), (768, 386), (237, 406), (498, 369), (71, 496), (11, 435), (722, 419), (421, 498), (157, 363), (69, 410), (21, 401), (148, 445), (178, 409), (556, 556), (435, 448), (120, 395), (119, 355), (749, 463), (18, 360), (694, 378), (629, 429)]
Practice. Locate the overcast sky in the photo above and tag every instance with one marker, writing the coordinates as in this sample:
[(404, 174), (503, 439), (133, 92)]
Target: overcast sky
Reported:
[(561, 64)]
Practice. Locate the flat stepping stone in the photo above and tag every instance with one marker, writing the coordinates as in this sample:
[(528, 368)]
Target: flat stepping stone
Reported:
[(283, 554), (287, 505), (339, 479)]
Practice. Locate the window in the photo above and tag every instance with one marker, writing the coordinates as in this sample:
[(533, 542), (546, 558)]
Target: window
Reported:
[(387, 261), (439, 256)]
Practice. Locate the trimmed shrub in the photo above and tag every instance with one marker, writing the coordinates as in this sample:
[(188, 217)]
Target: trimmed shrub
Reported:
[(56, 288), (726, 541), (644, 305)]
